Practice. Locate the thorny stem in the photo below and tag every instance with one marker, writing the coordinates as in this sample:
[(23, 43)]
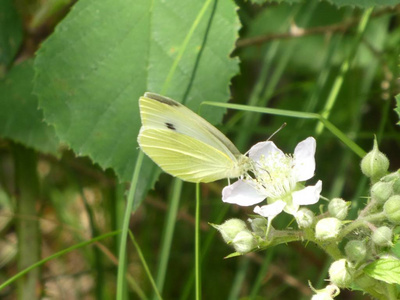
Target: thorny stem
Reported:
[(361, 222), (372, 204)]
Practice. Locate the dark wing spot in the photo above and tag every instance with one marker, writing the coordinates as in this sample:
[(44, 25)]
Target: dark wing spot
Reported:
[(170, 126), (162, 99)]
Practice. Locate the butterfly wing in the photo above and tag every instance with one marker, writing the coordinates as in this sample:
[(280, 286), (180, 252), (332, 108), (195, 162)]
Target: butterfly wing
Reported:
[(164, 113), (186, 157)]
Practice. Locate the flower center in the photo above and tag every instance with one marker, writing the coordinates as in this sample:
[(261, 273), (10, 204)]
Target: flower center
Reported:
[(273, 175)]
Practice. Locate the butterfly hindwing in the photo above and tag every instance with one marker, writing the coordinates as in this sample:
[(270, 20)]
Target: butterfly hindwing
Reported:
[(184, 156)]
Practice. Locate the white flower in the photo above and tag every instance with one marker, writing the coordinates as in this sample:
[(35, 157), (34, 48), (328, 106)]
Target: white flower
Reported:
[(276, 176)]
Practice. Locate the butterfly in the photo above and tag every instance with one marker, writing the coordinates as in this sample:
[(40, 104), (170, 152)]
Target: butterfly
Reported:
[(184, 144)]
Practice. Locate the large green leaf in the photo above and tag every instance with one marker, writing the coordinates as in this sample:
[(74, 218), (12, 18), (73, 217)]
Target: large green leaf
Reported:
[(10, 33), (364, 3), (106, 53), (20, 119), (359, 3)]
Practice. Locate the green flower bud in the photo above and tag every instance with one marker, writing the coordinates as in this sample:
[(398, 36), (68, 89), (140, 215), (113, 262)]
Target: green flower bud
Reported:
[(230, 228), (381, 191), (328, 228), (395, 179), (356, 251), (396, 186), (390, 177), (305, 218), (382, 236), (338, 208), (341, 273), (392, 209), (244, 241), (259, 226), (375, 164)]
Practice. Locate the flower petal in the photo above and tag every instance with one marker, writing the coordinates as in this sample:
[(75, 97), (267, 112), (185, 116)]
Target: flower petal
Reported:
[(304, 161), (241, 193), (270, 210), (309, 195), (264, 149)]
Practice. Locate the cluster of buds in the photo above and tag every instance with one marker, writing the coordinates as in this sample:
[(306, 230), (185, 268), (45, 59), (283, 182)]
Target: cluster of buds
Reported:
[(235, 233), (279, 179)]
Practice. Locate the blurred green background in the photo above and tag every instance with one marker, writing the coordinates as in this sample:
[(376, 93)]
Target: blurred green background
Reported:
[(71, 73)]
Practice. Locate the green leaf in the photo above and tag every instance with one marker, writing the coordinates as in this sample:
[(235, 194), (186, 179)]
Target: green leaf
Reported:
[(233, 254), (397, 109), (385, 269), (364, 3), (359, 3), (10, 33), (106, 53), (20, 119), (278, 1)]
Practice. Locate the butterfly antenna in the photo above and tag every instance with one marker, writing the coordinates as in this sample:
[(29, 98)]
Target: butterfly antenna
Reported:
[(279, 129)]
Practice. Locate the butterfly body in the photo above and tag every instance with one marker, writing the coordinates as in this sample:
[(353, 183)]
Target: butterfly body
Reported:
[(185, 145)]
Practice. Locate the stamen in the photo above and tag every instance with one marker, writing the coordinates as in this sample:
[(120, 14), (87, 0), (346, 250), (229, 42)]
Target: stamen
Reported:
[(273, 175)]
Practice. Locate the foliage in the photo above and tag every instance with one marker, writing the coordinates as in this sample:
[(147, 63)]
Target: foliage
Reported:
[(385, 269), (20, 120), (354, 3), (71, 74)]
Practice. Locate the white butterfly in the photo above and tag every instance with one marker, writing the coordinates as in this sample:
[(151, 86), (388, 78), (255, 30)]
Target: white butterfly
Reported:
[(185, 145)]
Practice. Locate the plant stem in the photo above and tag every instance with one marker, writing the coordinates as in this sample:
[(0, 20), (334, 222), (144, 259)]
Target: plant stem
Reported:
[(125, 227), (197, 244), (145, 266), (361, 222), (28, 231), (168, 233), (344, 68)]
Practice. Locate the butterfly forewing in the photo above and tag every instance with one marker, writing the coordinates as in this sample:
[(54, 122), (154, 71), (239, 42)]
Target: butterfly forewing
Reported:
[(164, 113)]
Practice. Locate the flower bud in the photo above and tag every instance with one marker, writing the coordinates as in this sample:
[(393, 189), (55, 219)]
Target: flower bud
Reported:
[(328, 228), (382, 236), (392, 209), (394, 178), (381, 191), (341, 273), (375, 164), (356, 251), (230, 228), (396, 186), (322, 296), (244, 241), (304, 217), (328, 293), (259, 226), (338, 208)]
